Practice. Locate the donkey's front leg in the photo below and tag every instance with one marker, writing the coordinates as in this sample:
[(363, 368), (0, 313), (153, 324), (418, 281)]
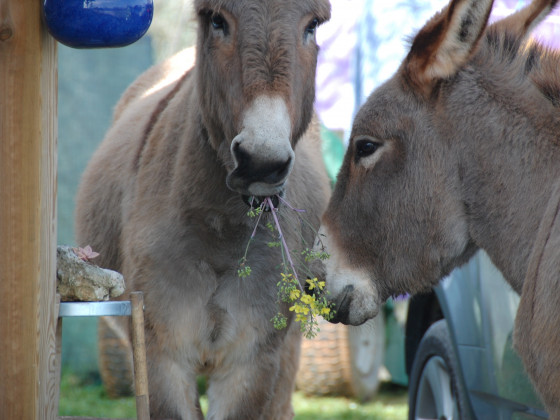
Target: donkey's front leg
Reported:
[(281, 404), (246, 391), (173, 390)]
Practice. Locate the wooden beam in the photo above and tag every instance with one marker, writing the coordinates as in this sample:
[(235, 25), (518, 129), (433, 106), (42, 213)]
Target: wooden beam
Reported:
[(139, 350), (28, 130)]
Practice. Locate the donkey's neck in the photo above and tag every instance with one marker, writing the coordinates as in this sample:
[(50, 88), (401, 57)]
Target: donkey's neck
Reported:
[(508, 174)]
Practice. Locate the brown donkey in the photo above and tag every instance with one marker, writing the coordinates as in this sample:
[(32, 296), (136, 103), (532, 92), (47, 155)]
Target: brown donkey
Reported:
[(163, 201), (460, 150)]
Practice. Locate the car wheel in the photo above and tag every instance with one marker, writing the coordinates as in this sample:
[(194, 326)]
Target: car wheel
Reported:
[(436, 390)]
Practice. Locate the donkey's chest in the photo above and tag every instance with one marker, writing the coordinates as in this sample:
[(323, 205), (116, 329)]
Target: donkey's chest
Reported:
[(226, 326), (215, 316)]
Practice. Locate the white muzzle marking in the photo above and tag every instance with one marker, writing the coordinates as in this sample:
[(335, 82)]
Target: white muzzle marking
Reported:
[(265, 137)]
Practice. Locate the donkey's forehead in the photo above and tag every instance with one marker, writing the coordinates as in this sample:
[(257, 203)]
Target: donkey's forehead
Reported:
[(386, 110), (319, 8)]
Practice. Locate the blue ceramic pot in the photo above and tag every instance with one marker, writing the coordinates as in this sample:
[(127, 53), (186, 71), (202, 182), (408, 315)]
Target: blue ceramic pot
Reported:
[(97, 23)]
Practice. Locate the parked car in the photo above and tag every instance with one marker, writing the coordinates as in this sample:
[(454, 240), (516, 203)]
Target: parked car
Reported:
[(459, 353)]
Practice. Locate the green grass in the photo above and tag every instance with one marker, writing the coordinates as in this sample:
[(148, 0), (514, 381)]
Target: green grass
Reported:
[(389, 404), (79, 399), (90, 400)]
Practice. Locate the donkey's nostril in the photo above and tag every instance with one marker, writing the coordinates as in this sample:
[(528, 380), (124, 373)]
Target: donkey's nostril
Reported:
[(244, 162), (258, 168), (277, 171), (342, 309)]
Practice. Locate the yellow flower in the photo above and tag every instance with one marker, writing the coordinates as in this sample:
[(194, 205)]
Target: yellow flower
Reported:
[(299, 309), (294, 294), (301, 318), (308, 299), (314, 283), (325, 311)]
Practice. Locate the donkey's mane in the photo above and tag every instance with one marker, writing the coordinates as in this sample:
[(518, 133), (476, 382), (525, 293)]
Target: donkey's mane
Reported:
[(523, 59)]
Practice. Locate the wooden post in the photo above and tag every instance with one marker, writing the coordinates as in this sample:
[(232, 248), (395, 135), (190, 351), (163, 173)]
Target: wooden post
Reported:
[(28, 126), (139, 349)]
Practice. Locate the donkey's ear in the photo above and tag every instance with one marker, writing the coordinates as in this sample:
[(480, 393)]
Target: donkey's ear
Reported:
[(446, 42), (522, 22)]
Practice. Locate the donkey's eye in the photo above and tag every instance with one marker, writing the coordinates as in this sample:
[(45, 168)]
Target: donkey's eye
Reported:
[(366, 147), (218, 22), (311, 27)]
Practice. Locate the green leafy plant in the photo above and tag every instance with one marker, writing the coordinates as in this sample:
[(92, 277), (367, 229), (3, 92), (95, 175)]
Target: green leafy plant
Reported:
[(306, 306)]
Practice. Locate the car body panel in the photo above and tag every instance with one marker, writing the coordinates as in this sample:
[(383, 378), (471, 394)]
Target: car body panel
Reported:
[(480, 308)]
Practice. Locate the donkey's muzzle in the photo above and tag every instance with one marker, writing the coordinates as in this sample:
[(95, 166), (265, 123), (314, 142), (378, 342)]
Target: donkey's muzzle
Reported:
[(262, 151), (255, 175), (342, 306)]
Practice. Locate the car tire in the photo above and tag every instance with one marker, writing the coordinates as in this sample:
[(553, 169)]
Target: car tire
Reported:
[(436, 390)]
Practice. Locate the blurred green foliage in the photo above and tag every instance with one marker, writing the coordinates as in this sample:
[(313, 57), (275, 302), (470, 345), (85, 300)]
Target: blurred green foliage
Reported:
[(90, 84)]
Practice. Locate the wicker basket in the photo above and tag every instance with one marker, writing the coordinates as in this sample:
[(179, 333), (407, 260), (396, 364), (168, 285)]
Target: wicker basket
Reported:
[(343, 360), (115, 356), (324, 364)]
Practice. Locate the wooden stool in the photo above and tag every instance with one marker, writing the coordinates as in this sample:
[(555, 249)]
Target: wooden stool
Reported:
[(133, 308)]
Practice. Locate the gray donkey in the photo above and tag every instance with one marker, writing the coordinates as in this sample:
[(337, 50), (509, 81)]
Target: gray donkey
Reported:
[(460, 150), (164, 200)]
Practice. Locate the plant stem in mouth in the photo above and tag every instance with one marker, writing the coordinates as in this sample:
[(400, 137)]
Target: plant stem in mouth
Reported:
[(289, 205), (273, 210)]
